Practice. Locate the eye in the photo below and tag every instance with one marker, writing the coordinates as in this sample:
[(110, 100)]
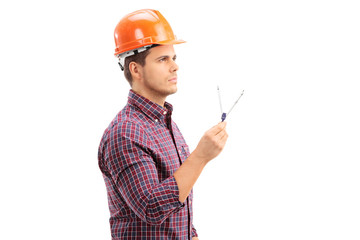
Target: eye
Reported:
[(164, 59)]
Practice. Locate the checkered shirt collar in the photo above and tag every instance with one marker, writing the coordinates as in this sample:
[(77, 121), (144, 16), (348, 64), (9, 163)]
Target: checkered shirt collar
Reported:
[(149, 108)]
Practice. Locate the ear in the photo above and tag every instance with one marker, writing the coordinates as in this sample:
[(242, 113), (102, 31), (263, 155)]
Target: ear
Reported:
[(135, 70)]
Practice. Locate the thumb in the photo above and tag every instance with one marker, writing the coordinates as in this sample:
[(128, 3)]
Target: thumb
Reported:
[(218, 128)]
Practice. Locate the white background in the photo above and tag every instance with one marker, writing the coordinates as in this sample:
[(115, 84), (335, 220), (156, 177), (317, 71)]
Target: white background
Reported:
[(290, 169)]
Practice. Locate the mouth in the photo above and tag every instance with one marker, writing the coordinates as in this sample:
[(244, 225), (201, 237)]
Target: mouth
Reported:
[(173, 80)]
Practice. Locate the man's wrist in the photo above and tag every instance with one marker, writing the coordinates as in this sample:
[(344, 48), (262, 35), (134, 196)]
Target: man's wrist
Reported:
[(198, 159)]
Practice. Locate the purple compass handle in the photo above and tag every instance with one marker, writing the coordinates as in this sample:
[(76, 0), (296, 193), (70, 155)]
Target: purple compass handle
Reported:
[(223, 116)]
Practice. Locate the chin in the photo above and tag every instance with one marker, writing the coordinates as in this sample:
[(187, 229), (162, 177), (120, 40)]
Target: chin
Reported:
[(174, 90), (171, 90)]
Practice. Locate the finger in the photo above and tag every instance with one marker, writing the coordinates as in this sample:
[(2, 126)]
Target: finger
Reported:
[(217, 128), (221, 127), (222, 124), (225, 137), (223, 140), (221, 135)]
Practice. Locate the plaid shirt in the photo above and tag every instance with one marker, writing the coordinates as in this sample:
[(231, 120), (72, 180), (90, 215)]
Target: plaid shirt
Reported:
[(138, 154)]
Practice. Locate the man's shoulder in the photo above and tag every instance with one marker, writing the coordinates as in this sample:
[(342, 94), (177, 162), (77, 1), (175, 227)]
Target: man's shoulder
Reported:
[(128, 123)]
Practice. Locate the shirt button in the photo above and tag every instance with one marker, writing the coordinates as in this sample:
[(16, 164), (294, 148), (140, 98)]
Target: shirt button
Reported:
[(156, 120), (165, 112)]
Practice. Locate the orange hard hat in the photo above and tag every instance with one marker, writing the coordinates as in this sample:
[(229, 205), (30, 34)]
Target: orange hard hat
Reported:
[(143, 28)]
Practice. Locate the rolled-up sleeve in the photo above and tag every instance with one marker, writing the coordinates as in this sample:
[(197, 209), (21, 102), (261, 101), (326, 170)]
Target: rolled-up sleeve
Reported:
[(134, 172), (193, 232)]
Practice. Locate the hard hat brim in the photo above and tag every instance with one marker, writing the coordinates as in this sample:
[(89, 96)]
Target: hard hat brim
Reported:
[(146, 43), (172, 42)]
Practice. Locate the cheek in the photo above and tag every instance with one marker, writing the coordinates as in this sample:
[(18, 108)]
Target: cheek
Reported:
[(157, 75)]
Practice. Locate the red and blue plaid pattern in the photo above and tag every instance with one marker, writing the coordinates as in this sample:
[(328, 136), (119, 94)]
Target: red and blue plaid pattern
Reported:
[(138, 154)]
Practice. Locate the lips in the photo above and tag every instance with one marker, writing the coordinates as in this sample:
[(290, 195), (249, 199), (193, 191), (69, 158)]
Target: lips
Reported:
[(174, 79)]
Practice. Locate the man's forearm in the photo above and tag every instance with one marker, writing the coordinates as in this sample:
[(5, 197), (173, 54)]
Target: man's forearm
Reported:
[(187, 174), (210, 145)]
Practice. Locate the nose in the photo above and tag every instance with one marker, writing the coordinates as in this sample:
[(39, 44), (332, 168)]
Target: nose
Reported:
[(174, 67)]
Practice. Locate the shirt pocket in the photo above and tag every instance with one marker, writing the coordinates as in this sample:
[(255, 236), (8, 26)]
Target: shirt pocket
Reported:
[(185, 152), (183, 149)]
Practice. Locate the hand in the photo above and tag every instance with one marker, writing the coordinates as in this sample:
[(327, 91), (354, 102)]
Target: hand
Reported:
[(195, 238), (212, 143)]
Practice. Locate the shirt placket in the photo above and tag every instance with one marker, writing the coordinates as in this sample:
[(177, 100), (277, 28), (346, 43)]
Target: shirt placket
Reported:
[(169, 127)]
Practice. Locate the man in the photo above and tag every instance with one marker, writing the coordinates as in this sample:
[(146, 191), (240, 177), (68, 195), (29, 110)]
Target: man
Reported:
[(146, 164)]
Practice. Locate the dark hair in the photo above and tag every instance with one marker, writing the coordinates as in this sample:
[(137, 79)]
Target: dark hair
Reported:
[(138, 58)]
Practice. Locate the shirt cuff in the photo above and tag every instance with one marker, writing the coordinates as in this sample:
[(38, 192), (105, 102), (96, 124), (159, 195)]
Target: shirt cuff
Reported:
[(193, 232), (173, 190)]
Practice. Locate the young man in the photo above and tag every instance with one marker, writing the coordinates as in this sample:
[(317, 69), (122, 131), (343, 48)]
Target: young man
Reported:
[(146, 164)]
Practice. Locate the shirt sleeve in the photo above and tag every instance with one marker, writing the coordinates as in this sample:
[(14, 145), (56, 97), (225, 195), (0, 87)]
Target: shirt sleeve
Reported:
[(193, 232), (135, 175)]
